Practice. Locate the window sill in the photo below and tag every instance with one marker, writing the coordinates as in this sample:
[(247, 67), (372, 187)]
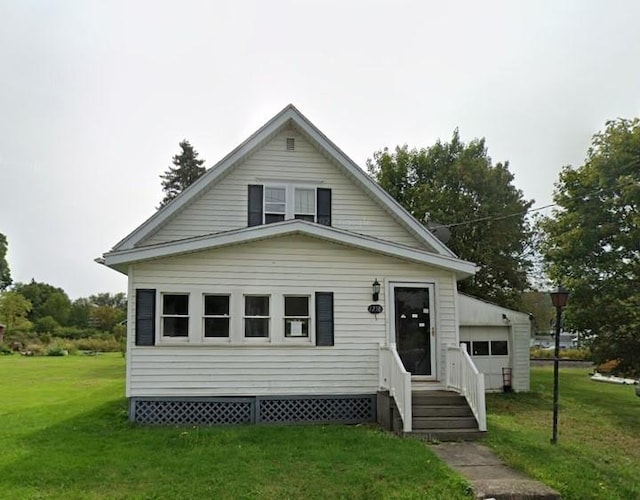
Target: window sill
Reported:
[(230, 345)]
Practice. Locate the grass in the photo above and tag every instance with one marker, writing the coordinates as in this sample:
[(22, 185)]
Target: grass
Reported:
[(598, 451), (65, 435)]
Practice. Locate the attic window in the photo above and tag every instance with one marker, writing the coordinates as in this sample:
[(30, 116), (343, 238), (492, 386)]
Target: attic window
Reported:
[(291, 144)]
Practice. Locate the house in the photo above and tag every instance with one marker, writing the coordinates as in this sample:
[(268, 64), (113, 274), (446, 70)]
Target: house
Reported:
[(497, 339), (286, 286)]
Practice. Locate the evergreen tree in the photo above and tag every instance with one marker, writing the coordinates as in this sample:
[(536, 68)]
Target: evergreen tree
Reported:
[(186, 170)]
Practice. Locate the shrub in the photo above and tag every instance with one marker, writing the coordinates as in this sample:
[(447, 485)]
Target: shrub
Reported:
[(576, 354), (5, 350), (34, 349), (98, 344), (74, 332), (56, 350)]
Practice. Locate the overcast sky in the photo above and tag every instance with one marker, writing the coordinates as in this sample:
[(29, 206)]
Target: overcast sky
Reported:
[(96, 95)]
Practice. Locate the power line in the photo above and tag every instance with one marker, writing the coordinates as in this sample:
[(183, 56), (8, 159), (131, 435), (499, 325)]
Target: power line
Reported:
[(523, 212)]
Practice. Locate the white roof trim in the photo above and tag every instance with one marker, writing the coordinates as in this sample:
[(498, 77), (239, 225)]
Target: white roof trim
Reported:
[(288, 114), (119, 259)]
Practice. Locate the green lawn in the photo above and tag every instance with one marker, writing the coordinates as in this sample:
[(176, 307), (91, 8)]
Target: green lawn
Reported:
[(598, 450), (65, 435)]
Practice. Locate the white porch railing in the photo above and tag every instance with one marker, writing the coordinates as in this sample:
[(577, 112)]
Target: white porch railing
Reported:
[(464, 377), (397, 380)]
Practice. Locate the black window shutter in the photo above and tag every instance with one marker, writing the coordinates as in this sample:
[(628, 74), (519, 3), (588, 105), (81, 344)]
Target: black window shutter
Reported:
[(145, 317), (255, 205), (324, 206), (324, 318)]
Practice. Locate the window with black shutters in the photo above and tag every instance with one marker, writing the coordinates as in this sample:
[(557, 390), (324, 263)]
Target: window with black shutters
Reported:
[(175, 315), (276, 203)]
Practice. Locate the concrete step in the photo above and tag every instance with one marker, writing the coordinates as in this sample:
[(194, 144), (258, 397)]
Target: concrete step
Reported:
[(441, 411), (447, 434), (444, 423), (438, 398)]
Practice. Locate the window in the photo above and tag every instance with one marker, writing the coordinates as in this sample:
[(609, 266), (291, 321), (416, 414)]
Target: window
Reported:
[(275, 204), (296, 316), (305, 204), (499, 348), (256, 316), (175, 315), (480, 348), (216, 316)]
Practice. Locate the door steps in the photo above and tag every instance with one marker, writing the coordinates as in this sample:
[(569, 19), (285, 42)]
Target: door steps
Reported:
[(441, 416)]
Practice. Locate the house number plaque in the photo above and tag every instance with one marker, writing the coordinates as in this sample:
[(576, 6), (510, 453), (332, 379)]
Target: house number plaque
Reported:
[(375, 309)]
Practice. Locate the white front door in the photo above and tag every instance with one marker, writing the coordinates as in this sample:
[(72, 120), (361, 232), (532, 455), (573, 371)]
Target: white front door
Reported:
[(413, 327)]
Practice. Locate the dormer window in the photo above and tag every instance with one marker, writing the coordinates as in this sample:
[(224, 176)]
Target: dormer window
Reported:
[(276, 203)]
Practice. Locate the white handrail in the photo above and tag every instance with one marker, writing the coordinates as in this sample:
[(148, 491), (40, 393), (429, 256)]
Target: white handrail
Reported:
[(395, 379), (463, 376)]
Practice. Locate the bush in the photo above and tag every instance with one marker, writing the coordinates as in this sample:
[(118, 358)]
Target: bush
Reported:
[(56, 350), (34, 349), (102, 343), (74, 332), (5, 350), (576, 354)]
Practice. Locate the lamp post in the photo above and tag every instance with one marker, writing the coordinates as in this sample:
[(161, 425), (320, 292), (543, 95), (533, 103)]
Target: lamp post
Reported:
[(559, 300)]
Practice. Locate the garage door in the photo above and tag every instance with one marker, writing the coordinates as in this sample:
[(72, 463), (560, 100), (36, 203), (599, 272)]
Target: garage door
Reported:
[(490, 349)]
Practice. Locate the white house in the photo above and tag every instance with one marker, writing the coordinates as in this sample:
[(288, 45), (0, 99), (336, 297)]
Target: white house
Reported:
[(253, 297)]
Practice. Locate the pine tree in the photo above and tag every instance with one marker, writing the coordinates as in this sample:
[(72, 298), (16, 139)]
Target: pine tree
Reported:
[(186, 170)]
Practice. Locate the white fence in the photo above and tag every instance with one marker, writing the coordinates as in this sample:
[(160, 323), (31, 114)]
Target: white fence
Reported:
[(397, 381), (464, 377)]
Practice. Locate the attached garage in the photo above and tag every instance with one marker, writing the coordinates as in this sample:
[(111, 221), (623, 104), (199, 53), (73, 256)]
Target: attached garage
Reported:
[(497, 338)]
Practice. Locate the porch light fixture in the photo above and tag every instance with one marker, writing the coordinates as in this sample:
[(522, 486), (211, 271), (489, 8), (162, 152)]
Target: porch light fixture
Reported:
[(559, 300), (376, 290)]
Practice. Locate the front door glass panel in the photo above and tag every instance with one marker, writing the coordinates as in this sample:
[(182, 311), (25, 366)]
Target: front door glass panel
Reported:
[(413, 322)]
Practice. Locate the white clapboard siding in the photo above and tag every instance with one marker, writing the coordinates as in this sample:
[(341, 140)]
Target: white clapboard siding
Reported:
[(224, 206), (289, 265)]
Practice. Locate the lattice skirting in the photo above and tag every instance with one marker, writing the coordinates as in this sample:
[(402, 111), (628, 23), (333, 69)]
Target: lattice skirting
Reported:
[(248, 410)]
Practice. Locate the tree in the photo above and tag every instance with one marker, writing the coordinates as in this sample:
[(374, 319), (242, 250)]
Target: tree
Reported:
[(14, 309), (105, 318), (5, 273), (80, 312), (46, 300), (539, 305), (592, 244), (116, 300), (186, 170), (456, 185)]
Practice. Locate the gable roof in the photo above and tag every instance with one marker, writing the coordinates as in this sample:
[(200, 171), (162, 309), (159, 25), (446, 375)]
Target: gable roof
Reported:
[(120, 259), (288, 116)]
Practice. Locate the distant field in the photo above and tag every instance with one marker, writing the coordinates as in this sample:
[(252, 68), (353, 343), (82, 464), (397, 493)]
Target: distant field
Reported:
[(598, 450), (65, 435)]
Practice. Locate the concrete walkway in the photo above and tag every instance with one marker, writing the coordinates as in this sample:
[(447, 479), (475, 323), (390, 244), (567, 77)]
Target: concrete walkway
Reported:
[(489, 476)]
